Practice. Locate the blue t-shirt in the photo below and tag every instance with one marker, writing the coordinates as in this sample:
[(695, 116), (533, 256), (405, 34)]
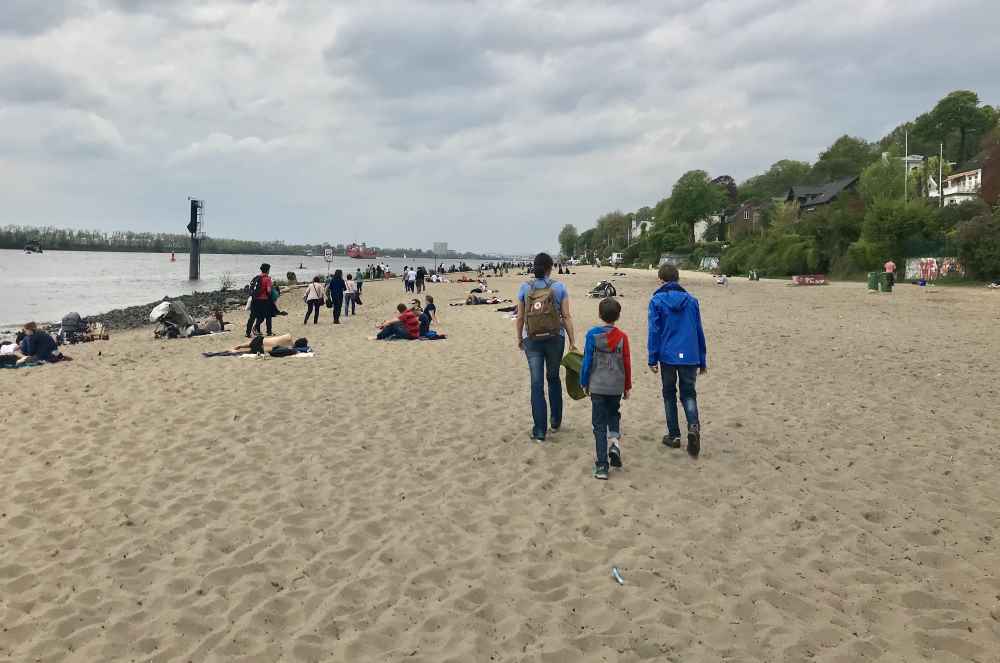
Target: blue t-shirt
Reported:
[(558, 291)]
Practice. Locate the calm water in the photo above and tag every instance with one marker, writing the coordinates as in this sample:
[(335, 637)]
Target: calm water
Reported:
[(45, 287)]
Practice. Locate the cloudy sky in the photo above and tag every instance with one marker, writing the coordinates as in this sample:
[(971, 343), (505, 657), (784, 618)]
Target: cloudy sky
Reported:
[(487, 125)]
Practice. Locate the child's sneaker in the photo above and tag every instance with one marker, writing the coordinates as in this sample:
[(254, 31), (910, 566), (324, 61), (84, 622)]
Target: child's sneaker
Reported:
[(614, 453), (601, 472), (694, 440)]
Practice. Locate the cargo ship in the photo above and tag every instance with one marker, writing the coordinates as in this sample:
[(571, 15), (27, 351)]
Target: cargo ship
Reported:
[(360, 251)]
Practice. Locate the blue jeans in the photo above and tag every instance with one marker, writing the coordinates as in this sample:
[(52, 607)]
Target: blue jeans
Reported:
[(544, 358), (605, 415), (686, 375), (349, 306), (393, 331)]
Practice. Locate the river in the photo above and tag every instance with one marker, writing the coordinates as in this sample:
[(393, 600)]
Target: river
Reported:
[(44, 287)]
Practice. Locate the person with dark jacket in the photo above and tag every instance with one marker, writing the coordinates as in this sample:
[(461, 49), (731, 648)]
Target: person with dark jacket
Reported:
[(261, 305), (38, 346), (676, 347), (336, 286)]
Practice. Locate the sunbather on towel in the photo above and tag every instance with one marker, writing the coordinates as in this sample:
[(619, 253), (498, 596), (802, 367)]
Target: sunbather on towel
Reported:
[(265, 344), (38, 346)]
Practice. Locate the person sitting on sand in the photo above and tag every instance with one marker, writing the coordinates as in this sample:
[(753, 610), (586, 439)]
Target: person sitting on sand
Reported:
[(38, 346), (406, 326)]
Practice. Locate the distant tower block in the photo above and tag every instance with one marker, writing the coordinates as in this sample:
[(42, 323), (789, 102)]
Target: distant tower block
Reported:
[(196, 228)]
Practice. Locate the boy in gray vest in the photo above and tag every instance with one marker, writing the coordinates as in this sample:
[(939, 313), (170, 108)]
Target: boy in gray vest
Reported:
[(606, 375)]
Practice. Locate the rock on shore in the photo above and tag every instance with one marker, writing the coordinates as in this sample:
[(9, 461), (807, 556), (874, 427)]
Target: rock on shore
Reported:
[(199, 305)]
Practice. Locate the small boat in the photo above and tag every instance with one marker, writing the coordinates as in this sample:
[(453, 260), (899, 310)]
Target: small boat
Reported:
[(32, 247), (360, 251)]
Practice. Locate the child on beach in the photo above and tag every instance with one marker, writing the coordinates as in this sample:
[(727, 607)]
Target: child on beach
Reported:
[(606, 376), (676, 345)]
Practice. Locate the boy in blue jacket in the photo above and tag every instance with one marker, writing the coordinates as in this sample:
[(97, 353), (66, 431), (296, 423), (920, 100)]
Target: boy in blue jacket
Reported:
[(677, 351)]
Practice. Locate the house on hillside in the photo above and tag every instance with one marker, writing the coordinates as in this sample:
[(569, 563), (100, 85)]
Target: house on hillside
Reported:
[(745, 220), (810, 197), (964, 184)]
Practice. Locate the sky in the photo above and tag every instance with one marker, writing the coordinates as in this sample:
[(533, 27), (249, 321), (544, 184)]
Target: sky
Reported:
[(488, 125)]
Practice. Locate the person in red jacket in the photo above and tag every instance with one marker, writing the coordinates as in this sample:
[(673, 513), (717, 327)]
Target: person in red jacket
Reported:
[(406, 326), (261, 308)]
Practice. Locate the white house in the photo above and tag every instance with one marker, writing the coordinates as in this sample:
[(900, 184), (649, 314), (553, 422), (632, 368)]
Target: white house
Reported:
[(958, 187)]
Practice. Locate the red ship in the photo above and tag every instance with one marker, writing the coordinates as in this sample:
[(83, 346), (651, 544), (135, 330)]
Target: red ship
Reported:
[(360, 251)]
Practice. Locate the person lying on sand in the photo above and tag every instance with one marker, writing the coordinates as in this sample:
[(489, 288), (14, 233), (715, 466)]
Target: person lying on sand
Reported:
[(266, 344)]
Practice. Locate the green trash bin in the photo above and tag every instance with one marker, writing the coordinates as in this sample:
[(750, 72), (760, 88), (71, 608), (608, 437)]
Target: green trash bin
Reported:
[(873, 280), (885, 282)]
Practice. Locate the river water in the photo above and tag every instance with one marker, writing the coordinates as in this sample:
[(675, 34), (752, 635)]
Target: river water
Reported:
[(44, 287)]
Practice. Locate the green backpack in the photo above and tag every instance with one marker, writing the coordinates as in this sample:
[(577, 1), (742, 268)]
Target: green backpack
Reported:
[(541, 312)]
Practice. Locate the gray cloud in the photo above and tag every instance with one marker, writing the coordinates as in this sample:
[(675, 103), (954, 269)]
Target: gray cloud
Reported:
[(30, 17), (394, 122)]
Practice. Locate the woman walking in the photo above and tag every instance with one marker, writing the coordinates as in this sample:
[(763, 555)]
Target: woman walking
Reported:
[(314, 300), (543, 325), (336, 287), (350, 295)]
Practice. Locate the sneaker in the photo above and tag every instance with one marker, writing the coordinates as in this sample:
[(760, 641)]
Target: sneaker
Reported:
[(601, 472), (671, 442), (537, 438), (615, 454), (694, 440), (553, 428)]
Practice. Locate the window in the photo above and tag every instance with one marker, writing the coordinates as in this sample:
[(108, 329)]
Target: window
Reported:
[(746, 215)]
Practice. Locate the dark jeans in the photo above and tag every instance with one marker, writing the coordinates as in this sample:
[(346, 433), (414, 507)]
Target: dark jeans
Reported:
[(338, 302), (686, 376), (544, 358), (260, 311), (395, 330), (314, 306), (605, 415)]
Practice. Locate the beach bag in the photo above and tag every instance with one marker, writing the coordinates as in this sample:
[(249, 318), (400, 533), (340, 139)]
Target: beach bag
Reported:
[(573, 362), (607, 373), (541, 312)]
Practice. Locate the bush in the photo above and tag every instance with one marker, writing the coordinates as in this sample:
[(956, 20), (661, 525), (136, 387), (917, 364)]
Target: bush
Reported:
[(979, 246)]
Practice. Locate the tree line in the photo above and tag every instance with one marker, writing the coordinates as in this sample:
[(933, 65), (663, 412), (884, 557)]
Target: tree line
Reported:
[(887, 215), (67, 239)]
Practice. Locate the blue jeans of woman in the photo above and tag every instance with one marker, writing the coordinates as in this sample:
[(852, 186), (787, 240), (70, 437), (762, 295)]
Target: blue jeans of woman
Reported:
[(686, 376), (349, 307), (544, 358)]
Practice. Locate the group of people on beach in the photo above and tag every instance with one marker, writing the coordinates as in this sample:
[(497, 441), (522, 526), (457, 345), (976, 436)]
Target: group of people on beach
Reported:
[(676, 348), (31, 346)]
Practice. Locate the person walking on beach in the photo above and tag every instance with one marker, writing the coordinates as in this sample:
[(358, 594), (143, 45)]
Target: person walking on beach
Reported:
[(314, 300), (543, 325), (359, 279), (336, 287), (261, 306), (411, 279), (676, 345), (420, 277), (606, 376), (890, 269), (350, 295)]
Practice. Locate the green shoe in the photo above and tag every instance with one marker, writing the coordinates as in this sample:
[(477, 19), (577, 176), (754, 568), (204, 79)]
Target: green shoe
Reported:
[(601, 472)]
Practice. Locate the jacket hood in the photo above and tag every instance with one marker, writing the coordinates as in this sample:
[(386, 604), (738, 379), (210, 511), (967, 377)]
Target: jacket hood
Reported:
[(674, 296)]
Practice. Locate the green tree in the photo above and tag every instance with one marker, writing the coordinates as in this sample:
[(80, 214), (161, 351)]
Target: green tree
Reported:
[(778, 179), (848, 156), (568, 238), (883, 180), (979, 246), (958, 115), (694, 198)]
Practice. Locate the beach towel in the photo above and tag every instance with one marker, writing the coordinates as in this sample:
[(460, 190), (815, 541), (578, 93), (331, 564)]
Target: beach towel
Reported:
[(573, 362)]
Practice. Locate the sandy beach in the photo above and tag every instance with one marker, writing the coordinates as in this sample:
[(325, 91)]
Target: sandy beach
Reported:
[(381, 501)]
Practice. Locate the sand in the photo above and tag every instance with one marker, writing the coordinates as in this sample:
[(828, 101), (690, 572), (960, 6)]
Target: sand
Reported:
[(382, 502)]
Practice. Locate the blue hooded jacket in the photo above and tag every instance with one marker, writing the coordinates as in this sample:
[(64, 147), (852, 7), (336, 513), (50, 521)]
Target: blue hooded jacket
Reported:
[(675, 334)]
